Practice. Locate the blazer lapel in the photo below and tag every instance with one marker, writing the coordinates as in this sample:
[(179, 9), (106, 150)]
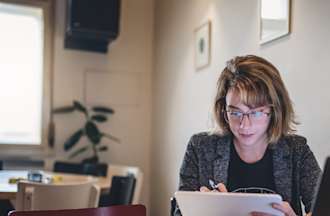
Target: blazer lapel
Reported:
[(221, 162), (282, 169)]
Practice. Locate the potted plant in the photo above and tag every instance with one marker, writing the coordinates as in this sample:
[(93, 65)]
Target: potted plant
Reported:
[(93, 116)]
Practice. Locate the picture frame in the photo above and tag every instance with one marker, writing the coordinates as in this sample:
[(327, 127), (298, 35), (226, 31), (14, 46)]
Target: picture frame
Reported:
[(275, 20), (202, 45)]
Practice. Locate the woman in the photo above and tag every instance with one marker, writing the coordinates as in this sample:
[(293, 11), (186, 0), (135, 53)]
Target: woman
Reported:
[(256, 150)]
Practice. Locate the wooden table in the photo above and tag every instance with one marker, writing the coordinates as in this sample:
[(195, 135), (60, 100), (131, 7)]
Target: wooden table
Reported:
[(8, 191)]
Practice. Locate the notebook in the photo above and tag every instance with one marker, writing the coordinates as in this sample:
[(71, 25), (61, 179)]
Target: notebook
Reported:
[(321, 205), (193, 203)]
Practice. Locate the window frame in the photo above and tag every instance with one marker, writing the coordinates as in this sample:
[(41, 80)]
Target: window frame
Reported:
[(9, 150)]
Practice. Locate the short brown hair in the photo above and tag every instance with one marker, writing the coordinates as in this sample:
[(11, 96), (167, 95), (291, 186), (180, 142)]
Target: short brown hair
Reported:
[(258, 83)]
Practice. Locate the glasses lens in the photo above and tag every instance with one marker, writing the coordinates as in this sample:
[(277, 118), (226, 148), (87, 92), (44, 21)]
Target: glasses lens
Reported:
[(234, 116), (257, 115), (253, 116)]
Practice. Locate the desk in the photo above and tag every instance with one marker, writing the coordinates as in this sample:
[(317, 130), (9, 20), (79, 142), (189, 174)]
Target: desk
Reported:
[(8, 191)]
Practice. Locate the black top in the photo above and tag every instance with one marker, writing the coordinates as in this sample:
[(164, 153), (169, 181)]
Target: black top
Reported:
[(247, 175)]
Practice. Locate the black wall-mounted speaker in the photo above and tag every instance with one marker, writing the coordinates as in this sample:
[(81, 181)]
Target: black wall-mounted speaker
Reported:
[(91, 24)]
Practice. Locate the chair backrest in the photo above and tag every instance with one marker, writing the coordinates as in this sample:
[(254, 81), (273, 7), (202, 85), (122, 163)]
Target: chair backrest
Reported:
[(121, 170), (39, 196), (109, 169), (122, 190), (99, 169), (128, 210)]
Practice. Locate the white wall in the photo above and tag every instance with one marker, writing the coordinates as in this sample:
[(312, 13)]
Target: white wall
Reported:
[(120, 79), (183, 97)]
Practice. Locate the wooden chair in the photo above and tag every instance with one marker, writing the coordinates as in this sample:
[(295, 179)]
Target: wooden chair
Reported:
[(39, 196), (127, 210), (111, 170)]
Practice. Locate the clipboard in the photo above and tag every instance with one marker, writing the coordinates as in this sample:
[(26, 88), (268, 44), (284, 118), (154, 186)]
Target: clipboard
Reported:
[(195, 203)]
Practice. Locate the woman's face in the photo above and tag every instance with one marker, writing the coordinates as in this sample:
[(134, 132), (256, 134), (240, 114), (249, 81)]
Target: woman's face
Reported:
[(248, 125)]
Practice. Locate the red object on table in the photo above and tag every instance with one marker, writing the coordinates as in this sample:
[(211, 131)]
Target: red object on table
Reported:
[(120, 210)]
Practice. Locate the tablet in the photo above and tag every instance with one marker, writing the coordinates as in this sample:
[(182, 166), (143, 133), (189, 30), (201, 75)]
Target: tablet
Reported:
[(321, 203), (193, 203)]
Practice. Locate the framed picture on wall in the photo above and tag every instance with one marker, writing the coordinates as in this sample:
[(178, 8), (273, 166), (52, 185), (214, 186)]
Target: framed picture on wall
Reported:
[(202, 45), (274, 19)]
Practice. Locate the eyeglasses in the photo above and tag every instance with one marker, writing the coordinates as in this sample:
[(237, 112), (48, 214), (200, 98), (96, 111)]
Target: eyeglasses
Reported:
[(254, 190), (254, 116)]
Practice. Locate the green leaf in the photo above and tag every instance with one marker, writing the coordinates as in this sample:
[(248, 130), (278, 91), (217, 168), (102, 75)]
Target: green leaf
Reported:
[(99, 118), (78, 151), (73, 139), (92, 132), (103, 148), (111, 137), (103, 109), (78, 106), (64, 109)]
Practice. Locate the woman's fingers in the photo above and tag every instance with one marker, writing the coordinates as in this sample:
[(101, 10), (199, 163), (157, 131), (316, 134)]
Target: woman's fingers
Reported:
[(204, 189), (221, 187), (285, 208)]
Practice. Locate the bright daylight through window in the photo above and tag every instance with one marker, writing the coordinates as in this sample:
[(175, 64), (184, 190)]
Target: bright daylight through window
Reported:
[(22, 74)]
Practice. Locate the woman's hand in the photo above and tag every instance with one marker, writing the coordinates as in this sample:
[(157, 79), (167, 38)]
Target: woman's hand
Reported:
[(220, 188), (284, 207)]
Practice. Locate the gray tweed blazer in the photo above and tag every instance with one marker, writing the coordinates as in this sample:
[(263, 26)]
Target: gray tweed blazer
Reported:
[(295, 168)]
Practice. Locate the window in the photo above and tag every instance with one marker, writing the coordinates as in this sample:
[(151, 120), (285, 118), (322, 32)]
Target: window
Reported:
[(25, 72)]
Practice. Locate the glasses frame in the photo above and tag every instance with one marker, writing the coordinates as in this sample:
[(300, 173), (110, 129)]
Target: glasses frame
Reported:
[(243, 114)]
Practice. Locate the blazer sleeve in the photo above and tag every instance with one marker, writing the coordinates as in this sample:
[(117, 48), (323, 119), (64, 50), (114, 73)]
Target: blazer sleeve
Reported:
[(189, 171)]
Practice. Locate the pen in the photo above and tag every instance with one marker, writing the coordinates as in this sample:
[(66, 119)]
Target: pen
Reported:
[(212, 184)]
